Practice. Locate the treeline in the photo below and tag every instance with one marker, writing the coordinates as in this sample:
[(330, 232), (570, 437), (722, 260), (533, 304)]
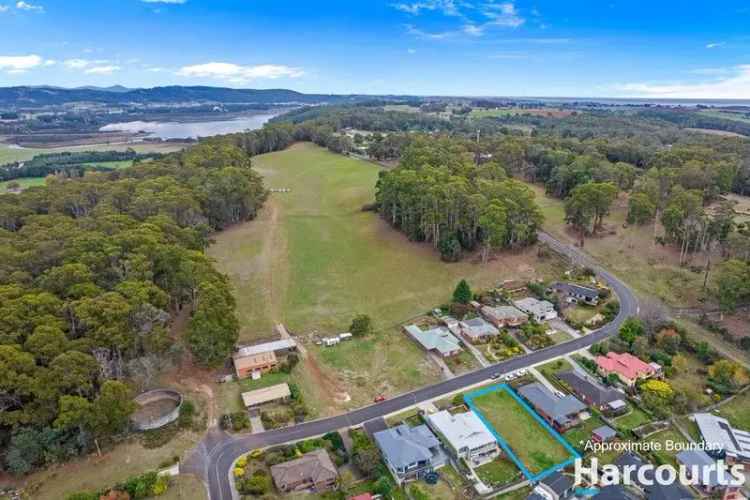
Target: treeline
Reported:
[(695, 119), (438, 194), (69, 163), (92, 271)]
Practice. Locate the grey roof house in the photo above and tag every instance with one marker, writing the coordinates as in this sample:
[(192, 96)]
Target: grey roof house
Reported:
[(438, 340), (701, 463), (410, 452), (502, 316), (605, 399), (562, 413), (554, 487), (540, 310), (718, 432), (577, 293), (477, 330)]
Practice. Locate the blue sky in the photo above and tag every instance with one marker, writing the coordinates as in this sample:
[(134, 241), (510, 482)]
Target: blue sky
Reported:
[(696, 49)]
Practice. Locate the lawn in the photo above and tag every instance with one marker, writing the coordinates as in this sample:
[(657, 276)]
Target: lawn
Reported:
[(313, 260), (185, 487), (531, 442), (549, 370), (579, 435), (635, 418), (560, 337), (669, 435), (736, 411), (498, 472), (116, 165)]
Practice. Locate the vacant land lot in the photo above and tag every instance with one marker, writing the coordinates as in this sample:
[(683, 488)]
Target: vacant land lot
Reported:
[(313, 259), (529, 440), (736, 411), (633, 419)]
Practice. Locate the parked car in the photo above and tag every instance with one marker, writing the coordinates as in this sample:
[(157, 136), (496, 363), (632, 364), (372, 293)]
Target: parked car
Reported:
[(379, 398), (495, 376)]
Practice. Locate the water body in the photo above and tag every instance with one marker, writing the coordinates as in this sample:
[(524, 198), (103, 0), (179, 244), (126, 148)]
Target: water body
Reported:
[(189, 130)]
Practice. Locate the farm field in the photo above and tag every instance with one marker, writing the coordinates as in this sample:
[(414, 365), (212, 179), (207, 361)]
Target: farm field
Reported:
[(313, 260), (726, 115), (10, 154), (537, 449), (551, 112)]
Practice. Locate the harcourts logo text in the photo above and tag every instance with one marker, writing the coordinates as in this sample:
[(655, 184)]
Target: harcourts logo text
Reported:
[(647, 475)]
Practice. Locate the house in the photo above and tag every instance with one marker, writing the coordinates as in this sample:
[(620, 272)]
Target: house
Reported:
[(254, 365), (313, 471), (452, 323), (504, 316), (561, 413), (575, 294), (630, 464), (540, 310), (279, 347), (465, 436), (272, 394), (717, 432), (603, 434), (607, 400), (477, 330), (438, 340), (629, 368), (615, 492), (410, 452), (701, 468), (554, 487), (345, 336)]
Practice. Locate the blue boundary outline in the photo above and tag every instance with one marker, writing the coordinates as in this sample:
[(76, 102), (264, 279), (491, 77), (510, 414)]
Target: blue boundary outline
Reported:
[(469, 400)]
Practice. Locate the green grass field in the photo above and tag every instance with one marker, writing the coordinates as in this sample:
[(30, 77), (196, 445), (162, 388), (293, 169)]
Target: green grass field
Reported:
[(24, 182), (725, 115), (579, 435), (313, 260), (498, 472), (633, 419), (10, 154), (528, 439), (737, 411), (117, 165)]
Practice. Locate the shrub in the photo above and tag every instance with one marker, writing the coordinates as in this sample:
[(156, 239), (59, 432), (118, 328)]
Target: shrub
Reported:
[(240, 421), (187, 412)]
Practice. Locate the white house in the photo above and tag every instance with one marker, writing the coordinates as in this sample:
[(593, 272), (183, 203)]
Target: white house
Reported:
[(540, 310), (465, 436)]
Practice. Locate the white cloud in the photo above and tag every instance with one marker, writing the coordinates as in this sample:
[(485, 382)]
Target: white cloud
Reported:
[(83, 63), (503, 14), (447, 7), (4, 8), (175, 2), (236, 73), (50, 62), (735, 86), (102, 70), (21, 5), (714, 45), (411, 51), (473, 30), (19, 64)]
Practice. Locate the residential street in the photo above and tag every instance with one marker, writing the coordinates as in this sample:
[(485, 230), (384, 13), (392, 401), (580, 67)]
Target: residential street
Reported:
[(216, 460)]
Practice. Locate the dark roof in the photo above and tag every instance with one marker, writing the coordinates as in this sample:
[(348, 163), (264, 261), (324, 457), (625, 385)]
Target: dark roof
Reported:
[(558, 483), (590, 293), (630, 458), (589, 389), (545, 401), (614, 492), (673, 491), (605, 432)]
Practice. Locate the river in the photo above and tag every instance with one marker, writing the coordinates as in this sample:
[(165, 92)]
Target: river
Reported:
[(189, 130)]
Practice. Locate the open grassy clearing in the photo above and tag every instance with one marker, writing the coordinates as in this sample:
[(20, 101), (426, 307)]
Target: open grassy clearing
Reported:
[(737, 411), (24, 183), (549, 370), (313, 259), (579, 435), (537, 449), (498, 472), (185, 487), (10, 154), (666, 437), (727, 115), (633, 419)]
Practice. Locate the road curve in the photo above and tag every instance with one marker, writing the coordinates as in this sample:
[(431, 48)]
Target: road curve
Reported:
[(223, 454)]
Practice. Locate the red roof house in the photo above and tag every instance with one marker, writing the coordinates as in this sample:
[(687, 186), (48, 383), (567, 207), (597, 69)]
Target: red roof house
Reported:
[(628, 367)]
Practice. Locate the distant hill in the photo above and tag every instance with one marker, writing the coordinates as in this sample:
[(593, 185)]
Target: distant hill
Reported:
[(19, 97)]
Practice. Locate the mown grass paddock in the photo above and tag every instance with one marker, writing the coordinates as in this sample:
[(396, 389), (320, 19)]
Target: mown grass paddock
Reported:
[(313, 260)]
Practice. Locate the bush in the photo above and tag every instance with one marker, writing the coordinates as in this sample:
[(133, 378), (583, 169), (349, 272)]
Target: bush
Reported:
[(259, 483), (187, 412), (83, 495), (240, 421)]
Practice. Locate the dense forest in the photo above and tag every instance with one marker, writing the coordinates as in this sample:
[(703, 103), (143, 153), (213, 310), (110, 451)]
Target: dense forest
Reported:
[(92, 273)]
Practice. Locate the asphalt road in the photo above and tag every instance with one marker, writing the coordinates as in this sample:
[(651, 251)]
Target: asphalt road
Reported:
[(222, 453)]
